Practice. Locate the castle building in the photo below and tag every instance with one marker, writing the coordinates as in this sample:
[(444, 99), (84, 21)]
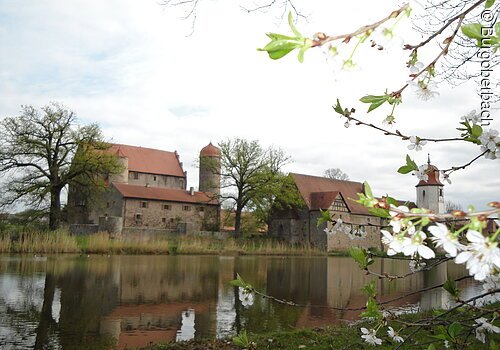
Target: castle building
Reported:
[(149, 197), (299, 224)]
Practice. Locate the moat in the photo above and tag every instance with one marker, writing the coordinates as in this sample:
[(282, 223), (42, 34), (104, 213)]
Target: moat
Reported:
[(74, 302)]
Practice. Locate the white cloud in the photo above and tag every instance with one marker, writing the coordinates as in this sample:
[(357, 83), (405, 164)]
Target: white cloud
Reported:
[(129, 66)]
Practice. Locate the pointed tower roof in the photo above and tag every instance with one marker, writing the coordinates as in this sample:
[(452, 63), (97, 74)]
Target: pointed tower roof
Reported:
[(433, 174)]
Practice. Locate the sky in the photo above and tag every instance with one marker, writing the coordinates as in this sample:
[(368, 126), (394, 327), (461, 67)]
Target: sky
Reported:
[(140, 71)]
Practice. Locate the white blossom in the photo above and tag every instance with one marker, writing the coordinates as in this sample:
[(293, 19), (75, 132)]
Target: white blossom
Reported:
[(416, 67), (394, 335), (370, 336), (446, 344), (396, 223), (396, 243), (338, 225), (473, 117), (416, 143), (481, 256), (417, 246), (329, 231), (490, 143), (424, 91), (347, 124), (484, 327), (421, 173), (246, 297), (444, 238)]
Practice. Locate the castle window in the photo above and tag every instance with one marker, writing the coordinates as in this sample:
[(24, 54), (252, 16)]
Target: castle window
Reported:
[(164, 220), (423, 194), (440, 192), (339, 205), (144, 204), (172, 220), (134, 175), (167, 207), (107, 204), (154, 178), (186, 208), (201, 209), (138, 219)]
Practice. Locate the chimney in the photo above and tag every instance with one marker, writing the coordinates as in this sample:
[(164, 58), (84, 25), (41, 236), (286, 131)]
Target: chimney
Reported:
[(191, 191), (147, 185)]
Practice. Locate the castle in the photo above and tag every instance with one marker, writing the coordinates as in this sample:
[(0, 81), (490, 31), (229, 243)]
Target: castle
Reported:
[(149, 197), (299, 224)]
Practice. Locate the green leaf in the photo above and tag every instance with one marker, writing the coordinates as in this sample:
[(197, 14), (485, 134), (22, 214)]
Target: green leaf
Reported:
[(359, 256), (392, 201), (338, 108), (368, 190), (489, 3), (477, 130), (380, 212), (370, 289), (451, 287), (276, 49), (405, 169), (431, 347), (371, 309), (454, 329), (292, 25), (473, 31), (411, 163), (375, 101), (303, 49), (493, 345), (325, 217)]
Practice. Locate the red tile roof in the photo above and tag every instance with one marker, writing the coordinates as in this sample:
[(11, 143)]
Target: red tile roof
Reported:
[(322, 200), (433, 180), (164, 194), (149, 160), (210, 151), (307, 185)]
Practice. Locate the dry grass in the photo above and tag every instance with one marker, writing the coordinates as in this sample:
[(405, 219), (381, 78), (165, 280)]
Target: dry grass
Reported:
[(101, 243), (59, 241), (204, 245)]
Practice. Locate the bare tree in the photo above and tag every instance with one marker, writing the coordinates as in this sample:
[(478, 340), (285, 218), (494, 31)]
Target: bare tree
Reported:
[(452, 206), (41, 153), (335, 174)]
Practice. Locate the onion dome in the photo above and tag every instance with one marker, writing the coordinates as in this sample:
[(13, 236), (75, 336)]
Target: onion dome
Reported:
[(210, 151)]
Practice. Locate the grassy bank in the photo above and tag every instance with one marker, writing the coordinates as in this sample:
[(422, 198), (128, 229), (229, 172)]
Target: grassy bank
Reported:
[(62, 242), (341, 336)]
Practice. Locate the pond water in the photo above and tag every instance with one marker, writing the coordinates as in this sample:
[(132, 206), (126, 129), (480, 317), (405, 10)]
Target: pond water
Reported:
[(76, 302)]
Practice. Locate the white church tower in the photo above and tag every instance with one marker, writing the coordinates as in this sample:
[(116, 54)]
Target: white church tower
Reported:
[(430, 193)]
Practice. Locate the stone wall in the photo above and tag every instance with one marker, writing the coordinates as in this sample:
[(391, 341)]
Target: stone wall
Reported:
[(341, 242), (300, 226), (168, 215), (152, 180)]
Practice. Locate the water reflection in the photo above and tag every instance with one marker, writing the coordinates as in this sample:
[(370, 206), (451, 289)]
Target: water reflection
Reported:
[(73, 302)]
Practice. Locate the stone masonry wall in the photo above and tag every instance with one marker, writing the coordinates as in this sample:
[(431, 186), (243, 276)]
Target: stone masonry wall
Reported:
[(168, 215), (152, 180)]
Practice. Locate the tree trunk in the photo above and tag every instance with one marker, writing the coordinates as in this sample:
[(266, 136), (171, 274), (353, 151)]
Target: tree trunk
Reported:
[(46, 321), (237, 221), (55, 208)]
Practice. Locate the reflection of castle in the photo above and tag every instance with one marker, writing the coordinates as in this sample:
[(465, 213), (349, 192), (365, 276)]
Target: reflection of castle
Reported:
[(149, 196), (140, 300)]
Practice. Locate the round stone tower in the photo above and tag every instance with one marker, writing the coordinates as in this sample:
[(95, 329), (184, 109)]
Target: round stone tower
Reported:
[(430, 192), (210, 169)]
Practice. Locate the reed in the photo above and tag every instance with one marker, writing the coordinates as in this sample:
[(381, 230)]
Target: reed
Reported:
[(101, 243), (59, 241), (5, 243)]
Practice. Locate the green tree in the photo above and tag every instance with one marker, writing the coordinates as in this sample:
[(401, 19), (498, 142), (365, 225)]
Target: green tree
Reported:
[(43, 152), (248, 172), (280, 194)]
